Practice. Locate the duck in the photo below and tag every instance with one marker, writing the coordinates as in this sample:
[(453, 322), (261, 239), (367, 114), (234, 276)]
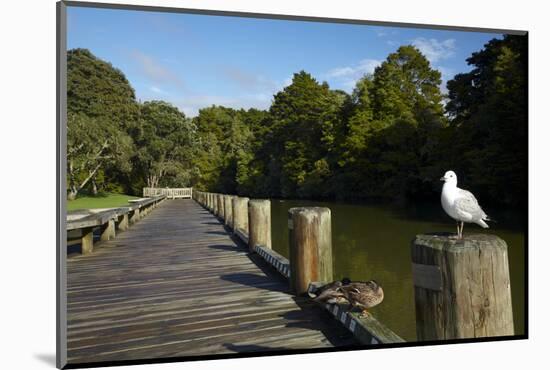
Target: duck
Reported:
[(330, 293), (363, 295)]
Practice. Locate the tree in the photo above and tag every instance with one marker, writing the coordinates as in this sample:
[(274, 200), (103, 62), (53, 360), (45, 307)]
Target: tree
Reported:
[(304, 117), (165, 145), (489, 120), (93, 145), (101, 112), (97, 89)]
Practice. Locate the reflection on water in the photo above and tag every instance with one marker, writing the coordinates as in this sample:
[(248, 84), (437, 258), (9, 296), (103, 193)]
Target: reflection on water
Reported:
[(372, 242)]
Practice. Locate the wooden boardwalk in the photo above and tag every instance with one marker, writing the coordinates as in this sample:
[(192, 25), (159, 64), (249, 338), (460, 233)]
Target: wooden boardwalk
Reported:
[(177, 284)]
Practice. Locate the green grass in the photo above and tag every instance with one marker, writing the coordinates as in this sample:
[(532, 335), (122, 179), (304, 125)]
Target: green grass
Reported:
[(106, 200)]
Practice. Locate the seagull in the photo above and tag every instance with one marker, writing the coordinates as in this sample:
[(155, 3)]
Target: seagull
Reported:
[(461, 204)]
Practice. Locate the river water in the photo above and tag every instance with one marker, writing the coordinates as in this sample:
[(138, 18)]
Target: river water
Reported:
[(372, 241)]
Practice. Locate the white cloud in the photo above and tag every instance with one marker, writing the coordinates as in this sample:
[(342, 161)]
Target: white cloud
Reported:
[(383, 32), (154, 71), (157, 90), (347, 76), (435, 50), (247, 80)]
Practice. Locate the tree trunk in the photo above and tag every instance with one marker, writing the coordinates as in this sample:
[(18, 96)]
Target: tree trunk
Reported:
[(72, 194), (94, 187)]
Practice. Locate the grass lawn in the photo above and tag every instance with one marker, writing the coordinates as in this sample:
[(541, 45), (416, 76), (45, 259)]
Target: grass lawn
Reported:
[(106, 200)]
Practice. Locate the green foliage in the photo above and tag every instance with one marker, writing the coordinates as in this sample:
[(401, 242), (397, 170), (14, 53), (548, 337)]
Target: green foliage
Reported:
[(95, 146), (488, 107), (164, 140), (97, 89), (101, 112), (391, 137)]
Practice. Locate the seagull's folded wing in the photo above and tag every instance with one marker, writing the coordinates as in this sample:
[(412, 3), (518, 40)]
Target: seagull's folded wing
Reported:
[(467, 206)]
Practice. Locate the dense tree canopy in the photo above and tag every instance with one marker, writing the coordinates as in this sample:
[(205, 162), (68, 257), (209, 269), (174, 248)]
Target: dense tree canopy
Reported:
[(102, 110), (164, 146), (392, 137), (488, 107)]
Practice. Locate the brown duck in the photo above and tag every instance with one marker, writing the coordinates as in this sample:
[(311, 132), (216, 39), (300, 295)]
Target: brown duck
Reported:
[(330, 293), (363, 295)]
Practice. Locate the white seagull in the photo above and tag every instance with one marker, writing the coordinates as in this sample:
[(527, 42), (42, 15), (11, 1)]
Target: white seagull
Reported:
[(461, 204)]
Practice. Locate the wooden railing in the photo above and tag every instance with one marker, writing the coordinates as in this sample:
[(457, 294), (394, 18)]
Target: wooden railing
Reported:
[(81, 224), (446, 308), (250, 221), (170, 193)]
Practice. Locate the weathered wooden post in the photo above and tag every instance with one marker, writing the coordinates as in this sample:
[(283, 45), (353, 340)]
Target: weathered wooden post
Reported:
[(123, 222), (240, 214), (87, 244), (310, 242), (108, 230), (228, 210), (215, 204), (462, 287), (221, 202), (135, 216), (259, 223)]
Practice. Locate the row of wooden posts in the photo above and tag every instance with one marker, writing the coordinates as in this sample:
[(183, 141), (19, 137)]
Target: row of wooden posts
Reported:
[(108, 221), (309, 230), (462, 287)]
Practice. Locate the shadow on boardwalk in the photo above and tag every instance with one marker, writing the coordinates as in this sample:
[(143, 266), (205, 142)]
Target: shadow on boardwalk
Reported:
[(177, 284)]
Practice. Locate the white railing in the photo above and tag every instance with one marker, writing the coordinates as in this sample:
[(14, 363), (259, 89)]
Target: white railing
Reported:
[(171, 193)]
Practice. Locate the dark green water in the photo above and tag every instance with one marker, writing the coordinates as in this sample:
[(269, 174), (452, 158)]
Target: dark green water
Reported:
[(372, 242)]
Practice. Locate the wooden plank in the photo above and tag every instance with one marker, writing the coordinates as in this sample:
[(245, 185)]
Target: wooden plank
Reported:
[(427, 276), (177, 284)]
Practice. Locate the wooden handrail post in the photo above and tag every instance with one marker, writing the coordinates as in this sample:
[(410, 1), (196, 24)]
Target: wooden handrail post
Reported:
[(310, 247), (123, 222), (135, 216), (240, 214), (228, 210), (259, 223), (87, 244), (462, 287), (108, 230)]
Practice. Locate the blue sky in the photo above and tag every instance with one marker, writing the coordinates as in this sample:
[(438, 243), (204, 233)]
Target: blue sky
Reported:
[(194, 61)]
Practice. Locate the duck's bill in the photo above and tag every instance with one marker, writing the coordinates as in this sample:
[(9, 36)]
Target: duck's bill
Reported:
[(442, 179)]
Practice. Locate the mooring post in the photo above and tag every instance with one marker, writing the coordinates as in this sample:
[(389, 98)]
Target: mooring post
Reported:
[(228, 210), (462, 287), (221, 206), (240, 214), (259, 223), (108, 230), (215, 204), (310, 247)]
